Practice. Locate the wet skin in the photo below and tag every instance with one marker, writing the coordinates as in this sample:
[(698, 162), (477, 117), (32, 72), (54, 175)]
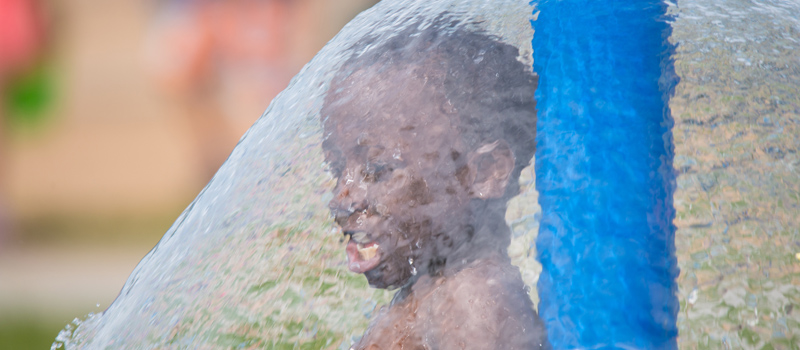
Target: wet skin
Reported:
[(406, 197), (483, 306), (397, 187)]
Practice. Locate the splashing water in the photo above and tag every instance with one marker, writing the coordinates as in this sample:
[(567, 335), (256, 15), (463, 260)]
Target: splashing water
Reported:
[(252, 263), (256, 261)]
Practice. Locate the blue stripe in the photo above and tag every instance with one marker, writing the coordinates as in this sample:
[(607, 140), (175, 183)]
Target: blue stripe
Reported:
[(604, 174)]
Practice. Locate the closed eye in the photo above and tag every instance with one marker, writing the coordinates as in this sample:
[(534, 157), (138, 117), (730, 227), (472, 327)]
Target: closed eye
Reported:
[(375, 172), (336, 168), (335, 161)]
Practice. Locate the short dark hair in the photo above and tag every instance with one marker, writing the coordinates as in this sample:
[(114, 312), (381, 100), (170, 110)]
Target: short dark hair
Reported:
[(479, 77)]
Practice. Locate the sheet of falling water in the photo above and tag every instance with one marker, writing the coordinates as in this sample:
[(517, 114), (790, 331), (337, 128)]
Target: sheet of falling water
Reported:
[(737, 122), (256, 260)]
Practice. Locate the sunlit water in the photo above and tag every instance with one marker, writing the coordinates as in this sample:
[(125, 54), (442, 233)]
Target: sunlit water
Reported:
[(257, 262)]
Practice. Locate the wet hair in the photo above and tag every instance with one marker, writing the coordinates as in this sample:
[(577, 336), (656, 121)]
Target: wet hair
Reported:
[(478, 79)]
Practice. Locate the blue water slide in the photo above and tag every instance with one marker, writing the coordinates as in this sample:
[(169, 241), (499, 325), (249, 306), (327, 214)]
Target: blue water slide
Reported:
[(604, 174)]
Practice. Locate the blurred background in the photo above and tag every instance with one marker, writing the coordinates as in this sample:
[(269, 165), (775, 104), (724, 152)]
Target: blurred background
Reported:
[(114, 115)]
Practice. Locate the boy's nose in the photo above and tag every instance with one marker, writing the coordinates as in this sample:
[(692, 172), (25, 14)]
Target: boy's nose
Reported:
[(346, 201)]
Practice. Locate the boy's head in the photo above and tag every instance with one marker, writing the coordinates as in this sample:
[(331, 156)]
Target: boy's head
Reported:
[(427, 134)]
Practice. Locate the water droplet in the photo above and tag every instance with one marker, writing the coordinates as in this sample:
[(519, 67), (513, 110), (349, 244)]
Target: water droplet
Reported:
[(413, 271), (411, 261), (692, 297)]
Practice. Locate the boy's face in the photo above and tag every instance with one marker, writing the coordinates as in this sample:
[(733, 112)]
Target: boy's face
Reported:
[(402, 192)]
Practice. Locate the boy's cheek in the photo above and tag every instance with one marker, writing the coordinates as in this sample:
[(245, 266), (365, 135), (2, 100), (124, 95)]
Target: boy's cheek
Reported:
[(398, 181)]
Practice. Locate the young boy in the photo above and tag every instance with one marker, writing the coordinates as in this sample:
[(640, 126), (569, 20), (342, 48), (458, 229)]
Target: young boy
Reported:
[(427, 134)]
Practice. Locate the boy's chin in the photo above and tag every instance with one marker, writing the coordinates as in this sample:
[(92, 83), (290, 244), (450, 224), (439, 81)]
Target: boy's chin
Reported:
[(380, 278)]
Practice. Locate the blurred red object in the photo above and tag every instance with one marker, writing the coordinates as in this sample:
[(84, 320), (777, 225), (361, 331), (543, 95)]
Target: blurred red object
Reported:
[(200, 41), (223, 61), (22, 35)]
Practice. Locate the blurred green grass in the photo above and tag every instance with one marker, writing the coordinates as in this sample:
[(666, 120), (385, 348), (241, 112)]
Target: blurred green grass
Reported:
[(107, 229), (25, 328), (23, 332)]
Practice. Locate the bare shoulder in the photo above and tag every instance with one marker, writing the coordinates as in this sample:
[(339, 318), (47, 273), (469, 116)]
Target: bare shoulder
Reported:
[(483, 306)]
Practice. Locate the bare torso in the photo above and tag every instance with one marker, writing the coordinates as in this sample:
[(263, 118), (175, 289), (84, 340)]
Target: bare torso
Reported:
[(482, 306)]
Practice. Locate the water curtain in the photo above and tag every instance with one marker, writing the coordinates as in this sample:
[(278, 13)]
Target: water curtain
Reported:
[(256, 260)]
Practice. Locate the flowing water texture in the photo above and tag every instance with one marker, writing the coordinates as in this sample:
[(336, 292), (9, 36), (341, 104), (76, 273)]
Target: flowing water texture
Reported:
[(737, 138), (605, 174), (256, 260), (666, 186)]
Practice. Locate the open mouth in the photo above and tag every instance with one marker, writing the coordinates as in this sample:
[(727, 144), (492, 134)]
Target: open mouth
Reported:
[(362, 254)]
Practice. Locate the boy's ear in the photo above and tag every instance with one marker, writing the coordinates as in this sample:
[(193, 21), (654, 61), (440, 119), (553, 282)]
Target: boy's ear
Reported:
[(491, 166)]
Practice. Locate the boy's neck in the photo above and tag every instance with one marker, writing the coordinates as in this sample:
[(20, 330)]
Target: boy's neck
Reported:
[(490, 242), (425, 283)]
